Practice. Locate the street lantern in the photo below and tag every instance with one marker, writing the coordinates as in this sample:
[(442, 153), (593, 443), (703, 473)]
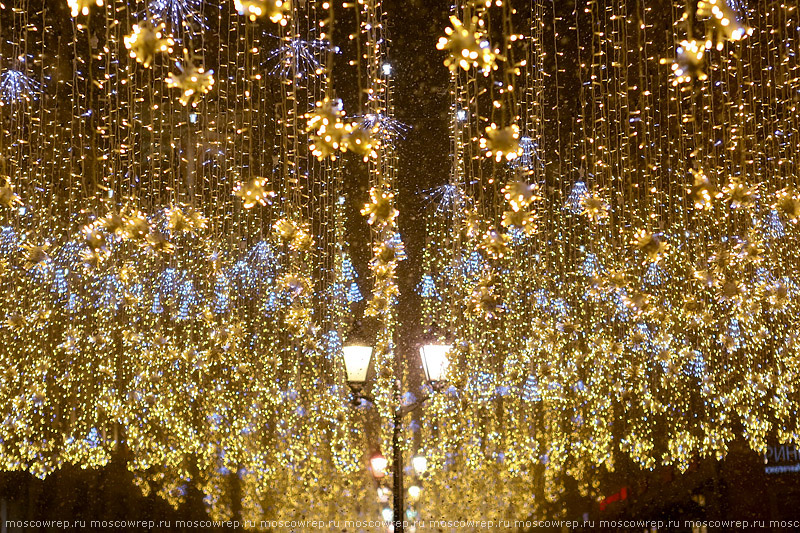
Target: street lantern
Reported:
[(378, 464), (356, 362), (420, 464), (434, 361)]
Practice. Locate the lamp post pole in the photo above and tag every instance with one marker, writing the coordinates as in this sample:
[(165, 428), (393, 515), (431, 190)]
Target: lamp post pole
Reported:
[(397, 473), (434, 360)]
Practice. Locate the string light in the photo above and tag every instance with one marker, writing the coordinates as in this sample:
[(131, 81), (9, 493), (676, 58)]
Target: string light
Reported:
[(176, 274)]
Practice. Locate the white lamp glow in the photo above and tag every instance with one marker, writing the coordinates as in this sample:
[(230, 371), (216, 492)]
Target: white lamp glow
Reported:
[(356, 362), (378, 463), (434, 360), (420, 464)]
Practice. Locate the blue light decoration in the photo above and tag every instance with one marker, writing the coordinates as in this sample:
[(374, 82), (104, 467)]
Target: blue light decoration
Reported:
[(111, 292), (388, 128), (348, 271), (168, 281), (296, 56), (591, 266), (481, 386), (541, 297), (644, 330), (332, 343), (427, 287), (93, 438), (773, 227), (763, 276), (619, 298), (69, 255), (349, 277), (444, 196), (262, 257), (530, 154), (178, 13), (655, 275), (517, 234), (559, 308), (697, 365), (73, 303), (156, 308), (187, 298), (270, 303), (502, 390), (575, 198), (222, 289), (60, 286), (243, 278), (397, 241), (734, 333), (530, 390), (474, 264), (354, 293), (16, 87), (9, 242)]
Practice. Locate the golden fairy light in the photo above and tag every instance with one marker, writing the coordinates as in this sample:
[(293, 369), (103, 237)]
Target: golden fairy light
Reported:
[(329, 131), (615, 247), (275, 10), (501, 143), (193, 81), (467, 46), (725, 23), (81, 7), (689, 63), (253, 192), (146, 41), (380, 209), (8, 197)]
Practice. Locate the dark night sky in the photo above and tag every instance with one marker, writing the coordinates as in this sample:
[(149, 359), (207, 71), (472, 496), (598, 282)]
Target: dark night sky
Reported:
[(422, 101)]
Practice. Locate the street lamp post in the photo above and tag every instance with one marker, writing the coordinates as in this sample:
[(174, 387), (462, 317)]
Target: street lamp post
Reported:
[(435, 363)]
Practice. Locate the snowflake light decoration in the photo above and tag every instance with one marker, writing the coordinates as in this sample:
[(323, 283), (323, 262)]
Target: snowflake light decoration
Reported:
[(468, 46), (178, 13), (193, 81), (688, 64), (501, 143), (253, 192), (15, 86), (146, 41), (297, 56)]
